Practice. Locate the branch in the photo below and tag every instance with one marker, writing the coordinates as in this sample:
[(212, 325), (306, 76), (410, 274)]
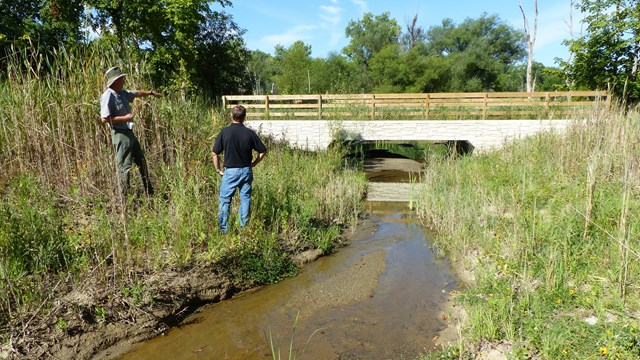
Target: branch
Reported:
[(526, 21), (535, 21)]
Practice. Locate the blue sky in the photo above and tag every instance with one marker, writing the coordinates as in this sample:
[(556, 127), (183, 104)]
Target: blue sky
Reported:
[(322, 23)]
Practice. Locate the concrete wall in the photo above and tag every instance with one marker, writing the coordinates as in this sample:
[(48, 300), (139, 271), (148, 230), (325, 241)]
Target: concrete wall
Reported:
[(482, 134)]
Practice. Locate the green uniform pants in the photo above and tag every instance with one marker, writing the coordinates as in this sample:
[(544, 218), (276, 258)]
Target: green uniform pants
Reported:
[(128, 151)]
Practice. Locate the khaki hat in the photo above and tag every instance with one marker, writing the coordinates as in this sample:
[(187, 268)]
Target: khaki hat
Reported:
[(113, 74)]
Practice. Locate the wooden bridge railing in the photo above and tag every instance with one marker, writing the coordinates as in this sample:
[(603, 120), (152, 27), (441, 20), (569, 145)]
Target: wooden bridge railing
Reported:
[(511, 105)]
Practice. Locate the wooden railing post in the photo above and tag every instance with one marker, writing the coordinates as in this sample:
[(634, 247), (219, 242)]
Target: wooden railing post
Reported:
[(547, 100), (266, 105), (426, 107), (319, 106), (373, 106), (224, 102), (484, 106)]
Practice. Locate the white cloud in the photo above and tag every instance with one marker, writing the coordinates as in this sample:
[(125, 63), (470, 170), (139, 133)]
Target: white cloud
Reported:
[(332, 21), (364, 7), (301, 32), (331, 14), (334, 10), (326, 30)]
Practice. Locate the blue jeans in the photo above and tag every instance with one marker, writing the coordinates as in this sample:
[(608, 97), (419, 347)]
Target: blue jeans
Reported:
[(235, 178)]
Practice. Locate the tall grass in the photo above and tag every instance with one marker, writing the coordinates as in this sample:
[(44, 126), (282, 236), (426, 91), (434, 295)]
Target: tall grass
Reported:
[(550, 227), (60, 218)]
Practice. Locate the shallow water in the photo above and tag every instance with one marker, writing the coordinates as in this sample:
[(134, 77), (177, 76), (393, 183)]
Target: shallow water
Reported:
[(380, 297)]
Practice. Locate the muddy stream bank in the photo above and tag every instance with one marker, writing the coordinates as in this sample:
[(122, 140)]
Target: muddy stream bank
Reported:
[(380, 297)]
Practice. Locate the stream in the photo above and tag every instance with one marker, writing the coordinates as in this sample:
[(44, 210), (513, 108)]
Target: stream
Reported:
[(380, 297)]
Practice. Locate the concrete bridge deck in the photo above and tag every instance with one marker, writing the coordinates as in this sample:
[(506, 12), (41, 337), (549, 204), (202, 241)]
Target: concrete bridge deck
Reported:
[(482, 134)]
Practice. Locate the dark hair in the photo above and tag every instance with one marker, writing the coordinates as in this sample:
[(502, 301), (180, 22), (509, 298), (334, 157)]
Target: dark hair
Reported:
[(238, 113)]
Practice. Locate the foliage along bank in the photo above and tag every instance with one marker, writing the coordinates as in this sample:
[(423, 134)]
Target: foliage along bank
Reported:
[(549, 227), (62, 228)]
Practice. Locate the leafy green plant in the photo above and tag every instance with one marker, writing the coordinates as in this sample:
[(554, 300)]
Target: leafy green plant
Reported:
[(135, 291), (250, 266), (32, 236), (61, 324), (100, 312)]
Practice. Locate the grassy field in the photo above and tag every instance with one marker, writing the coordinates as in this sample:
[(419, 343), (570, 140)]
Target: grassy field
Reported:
[(62, 223), (550, 228)]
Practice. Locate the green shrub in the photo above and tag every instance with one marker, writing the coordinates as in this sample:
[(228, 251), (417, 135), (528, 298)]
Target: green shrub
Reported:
[(32, 235)]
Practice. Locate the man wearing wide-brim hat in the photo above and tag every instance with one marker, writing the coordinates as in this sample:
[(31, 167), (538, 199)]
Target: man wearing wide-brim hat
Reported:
[(115, 110)]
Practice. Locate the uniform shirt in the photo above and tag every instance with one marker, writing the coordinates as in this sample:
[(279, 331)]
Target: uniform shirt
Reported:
[(237, 142), (117, 104)]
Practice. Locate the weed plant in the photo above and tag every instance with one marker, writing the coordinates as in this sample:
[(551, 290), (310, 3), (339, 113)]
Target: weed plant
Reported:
[(550, 227), (60, 218), (291, 352)]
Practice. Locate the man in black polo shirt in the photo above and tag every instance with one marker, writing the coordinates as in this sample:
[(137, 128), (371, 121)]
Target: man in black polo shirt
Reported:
[(238, 143)]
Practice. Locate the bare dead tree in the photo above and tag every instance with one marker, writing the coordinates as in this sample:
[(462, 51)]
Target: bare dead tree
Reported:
[(414, 31), (568, 81), (531, 40)]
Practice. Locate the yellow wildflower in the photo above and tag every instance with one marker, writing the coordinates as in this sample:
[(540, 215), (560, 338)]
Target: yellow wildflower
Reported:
[(603, 351)]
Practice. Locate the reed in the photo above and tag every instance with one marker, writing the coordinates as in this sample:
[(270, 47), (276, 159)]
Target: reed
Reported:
[(292, 351)]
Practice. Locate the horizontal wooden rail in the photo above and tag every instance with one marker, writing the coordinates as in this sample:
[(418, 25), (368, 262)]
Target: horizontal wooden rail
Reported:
[(421, 105)]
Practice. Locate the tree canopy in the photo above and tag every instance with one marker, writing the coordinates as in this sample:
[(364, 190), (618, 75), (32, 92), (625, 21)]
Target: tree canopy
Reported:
[(293, 68), (46, 22), (196, 46), (606, 56), (370, 35), (175, 36)]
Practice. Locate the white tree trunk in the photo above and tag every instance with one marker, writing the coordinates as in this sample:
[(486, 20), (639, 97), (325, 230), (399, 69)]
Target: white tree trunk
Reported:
[(570, 83), (634, 70), (531, 41)]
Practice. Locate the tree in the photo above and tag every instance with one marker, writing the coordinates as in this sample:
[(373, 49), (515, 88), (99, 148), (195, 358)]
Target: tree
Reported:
[(222, 58), (547, 78), (47, 23), (531, 41), (261, 70), (369, 36), (388, 70), (187, 42), (414, 35), (477, 51), (294, 67), (607, 55), (337, 75)]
